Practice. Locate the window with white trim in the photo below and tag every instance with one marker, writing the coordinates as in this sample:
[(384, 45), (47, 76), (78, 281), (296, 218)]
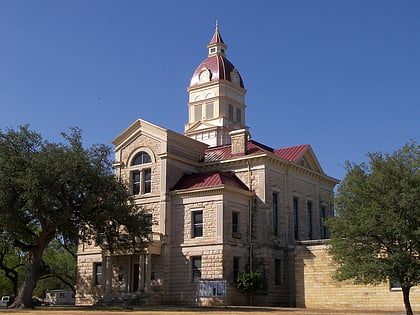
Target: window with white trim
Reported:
[(141, 174)]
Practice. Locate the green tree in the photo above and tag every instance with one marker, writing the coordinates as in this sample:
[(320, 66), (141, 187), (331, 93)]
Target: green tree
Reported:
[(375, 236), (11, 263), (248, 283), (61, 269), (61, 191)]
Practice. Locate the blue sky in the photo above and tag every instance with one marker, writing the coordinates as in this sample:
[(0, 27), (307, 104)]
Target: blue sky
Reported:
[(343, 76)]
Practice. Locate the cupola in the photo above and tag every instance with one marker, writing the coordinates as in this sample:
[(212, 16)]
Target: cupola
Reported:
[(216, 103)]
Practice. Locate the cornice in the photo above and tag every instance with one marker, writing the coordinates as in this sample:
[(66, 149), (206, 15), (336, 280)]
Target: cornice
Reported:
[(219, 189)]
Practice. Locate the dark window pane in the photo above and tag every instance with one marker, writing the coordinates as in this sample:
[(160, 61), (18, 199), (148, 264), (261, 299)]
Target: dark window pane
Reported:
[(196, 268), (197, 218), (141, 158), (98, 273), (135, 182), (147, 180), (277, 272)]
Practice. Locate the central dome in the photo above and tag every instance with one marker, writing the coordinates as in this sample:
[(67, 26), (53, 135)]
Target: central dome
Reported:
[(216, 66)]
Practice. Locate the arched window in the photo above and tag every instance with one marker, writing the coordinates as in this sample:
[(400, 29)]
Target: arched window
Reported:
[(141, 158), (141, 174)]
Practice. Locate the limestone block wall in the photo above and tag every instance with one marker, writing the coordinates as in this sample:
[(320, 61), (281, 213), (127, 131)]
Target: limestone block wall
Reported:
[(315, 287), (86, 291)]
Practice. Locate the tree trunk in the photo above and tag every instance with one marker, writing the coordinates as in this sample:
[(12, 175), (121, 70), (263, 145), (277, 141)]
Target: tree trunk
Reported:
[(33, 271), (407, 304)]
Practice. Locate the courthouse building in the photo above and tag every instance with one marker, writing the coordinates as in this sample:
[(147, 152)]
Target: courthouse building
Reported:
[(222, 203)]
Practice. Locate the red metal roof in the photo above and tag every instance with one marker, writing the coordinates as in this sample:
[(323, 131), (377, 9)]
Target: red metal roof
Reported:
[(217, 38), (291, 153), (220, 68), (220, 153), (210, 179)]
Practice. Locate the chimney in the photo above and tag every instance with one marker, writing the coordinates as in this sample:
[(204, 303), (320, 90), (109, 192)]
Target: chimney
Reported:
[(239, 140)]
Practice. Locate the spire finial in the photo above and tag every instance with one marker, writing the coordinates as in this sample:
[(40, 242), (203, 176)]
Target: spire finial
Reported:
[(217, 25)]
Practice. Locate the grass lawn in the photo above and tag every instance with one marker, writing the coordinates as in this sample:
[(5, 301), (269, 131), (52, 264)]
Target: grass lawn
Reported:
[(162, 310)]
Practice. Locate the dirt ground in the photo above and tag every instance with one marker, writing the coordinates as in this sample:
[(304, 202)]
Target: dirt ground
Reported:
[(161, 310)]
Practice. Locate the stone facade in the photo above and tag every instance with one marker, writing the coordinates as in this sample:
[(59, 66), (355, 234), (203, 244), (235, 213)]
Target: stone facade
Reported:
[(316, 287)]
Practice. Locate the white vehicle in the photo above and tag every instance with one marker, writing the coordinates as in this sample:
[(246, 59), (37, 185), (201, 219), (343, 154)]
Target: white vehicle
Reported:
[(59, 297), (6, 300)]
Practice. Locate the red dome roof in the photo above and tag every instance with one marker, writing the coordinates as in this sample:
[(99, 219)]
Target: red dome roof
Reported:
[(220, 69)]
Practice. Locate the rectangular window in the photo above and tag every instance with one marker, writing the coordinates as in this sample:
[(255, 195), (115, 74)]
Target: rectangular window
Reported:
[(275, 213), (148, 218), (147, 180), (196, 268), (230, 113), (97, 269), (198, 114), (278, 272), (135, 182), (235, 225), (323, 217), (197, 223), (141, 181), (209, 110), (309, 218), (236, 266), (238, 115), (296, 217)]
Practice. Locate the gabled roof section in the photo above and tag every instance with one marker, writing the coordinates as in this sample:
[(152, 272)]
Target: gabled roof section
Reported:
[(209, 179), (292, 153), (137, 126), (302, 155), (165, 136)]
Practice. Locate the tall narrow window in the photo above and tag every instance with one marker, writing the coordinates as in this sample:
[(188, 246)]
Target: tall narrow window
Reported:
[(230, 112), (135, 178), (97, 269), (238, 115), (196, 268), (198, 114), (148, 218), (323, 216), (278, 272), (197, 226), (141, 174), (275, 213), (209, 110), (236, 266), (309, 219), (235, 225), (296, 217), (147, 178)]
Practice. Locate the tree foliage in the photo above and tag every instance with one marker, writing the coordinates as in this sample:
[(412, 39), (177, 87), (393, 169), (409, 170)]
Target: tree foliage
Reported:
[(248, 282), (61, 191), (375, 236), (61, 269)]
